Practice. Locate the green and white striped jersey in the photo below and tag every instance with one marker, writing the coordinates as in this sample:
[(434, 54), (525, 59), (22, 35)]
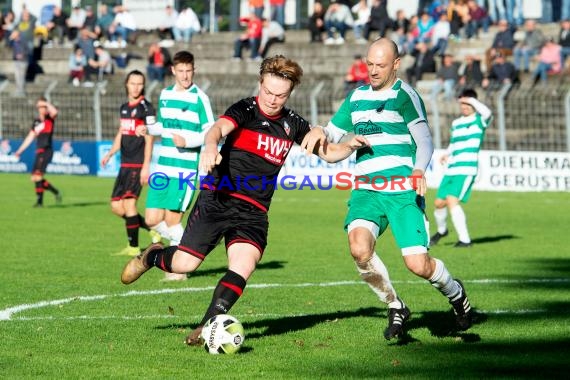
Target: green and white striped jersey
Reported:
[(181, 112), (467, 134), (384, 118)]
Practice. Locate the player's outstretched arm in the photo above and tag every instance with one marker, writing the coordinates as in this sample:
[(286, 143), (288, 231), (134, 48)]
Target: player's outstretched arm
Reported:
[(331, 152), (314, 139), (114, 149), (25, 144)]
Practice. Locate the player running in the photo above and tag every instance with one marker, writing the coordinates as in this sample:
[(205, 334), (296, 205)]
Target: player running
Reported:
[(136, 152), (42, 130), (462, 159)]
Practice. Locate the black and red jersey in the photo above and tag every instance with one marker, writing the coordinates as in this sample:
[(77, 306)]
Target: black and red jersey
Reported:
[(44, 133), (254, 152), (133, 115)]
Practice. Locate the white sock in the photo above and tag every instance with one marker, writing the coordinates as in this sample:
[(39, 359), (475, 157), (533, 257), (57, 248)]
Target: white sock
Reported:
[(375, 274), (460, 223), (175, 232), (441, 219), (442, 281), (162, 229)]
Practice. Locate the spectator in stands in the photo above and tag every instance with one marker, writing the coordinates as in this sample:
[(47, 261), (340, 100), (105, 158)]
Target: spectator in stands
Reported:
[(166, 27), (26, 26), (549, 61), (77, 63), (362, 12), (496, 10), (8, 24), (75, 22), (401, 27), (338, 19), (256, 7), (470, 74), (529, 46), (158, 62), (413, 35), (424, 63), (187, 24), (104, 22), (515, 12), (278, 11), (250, 39), (90, 19), (2, 31), (447, 78), (501, 72), (123, 27), (379, 19), (57, 26), (478, 18), (357, 74), (425, 25), (504, 42), (85, 42), (317, 22), (565, 7), (440, 33), (20, 55), (564, 40), (271, 33), (458, 14), (100, 65), (436, 9), (34, 68)]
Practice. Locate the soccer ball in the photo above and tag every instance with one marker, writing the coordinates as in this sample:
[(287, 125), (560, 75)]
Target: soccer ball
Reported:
[(223, 334)]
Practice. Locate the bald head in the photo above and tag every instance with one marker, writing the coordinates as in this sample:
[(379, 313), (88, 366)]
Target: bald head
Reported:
[(386, 46)]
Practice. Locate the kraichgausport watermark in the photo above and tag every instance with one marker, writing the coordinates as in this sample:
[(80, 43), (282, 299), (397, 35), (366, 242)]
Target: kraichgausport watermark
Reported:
[(339, 181)]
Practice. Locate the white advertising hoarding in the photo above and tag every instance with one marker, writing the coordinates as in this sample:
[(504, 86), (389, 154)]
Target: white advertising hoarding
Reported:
[(498, 171)]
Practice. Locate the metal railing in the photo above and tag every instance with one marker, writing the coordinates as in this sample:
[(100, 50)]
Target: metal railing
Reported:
[(525, 119)]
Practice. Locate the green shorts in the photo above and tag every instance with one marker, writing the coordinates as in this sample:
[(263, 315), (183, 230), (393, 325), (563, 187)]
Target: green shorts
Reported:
[(458, 186), (406, 218), (172, 195)]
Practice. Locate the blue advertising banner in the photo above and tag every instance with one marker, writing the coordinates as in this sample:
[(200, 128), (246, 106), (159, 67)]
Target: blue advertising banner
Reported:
[(69, 157), (114, 164)]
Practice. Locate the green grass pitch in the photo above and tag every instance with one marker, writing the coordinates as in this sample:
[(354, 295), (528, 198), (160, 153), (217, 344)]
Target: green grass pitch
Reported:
[(305, 311)]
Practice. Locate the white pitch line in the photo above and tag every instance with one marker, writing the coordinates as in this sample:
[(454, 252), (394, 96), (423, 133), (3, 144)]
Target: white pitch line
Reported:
[(7, 313)]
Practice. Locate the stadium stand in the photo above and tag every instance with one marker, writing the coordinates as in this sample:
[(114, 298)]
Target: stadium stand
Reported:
[(527, 111)]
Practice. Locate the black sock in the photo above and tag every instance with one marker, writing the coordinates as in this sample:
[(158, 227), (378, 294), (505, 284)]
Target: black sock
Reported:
[(48, 186), (132, 226), (39, 192), (226, 294), (162, 258), (142, 223)]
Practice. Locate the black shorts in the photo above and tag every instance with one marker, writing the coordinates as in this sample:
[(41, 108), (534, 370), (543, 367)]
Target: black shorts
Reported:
[(216, 215), (42, 160), (127, 184)]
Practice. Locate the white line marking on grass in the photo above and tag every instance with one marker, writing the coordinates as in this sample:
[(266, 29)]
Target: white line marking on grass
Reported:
[(7, 313)]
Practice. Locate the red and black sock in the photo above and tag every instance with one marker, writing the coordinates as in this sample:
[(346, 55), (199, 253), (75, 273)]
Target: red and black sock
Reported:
[(132, 226), (226, 294), (39, 192), (48, 186), (162, 258)]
